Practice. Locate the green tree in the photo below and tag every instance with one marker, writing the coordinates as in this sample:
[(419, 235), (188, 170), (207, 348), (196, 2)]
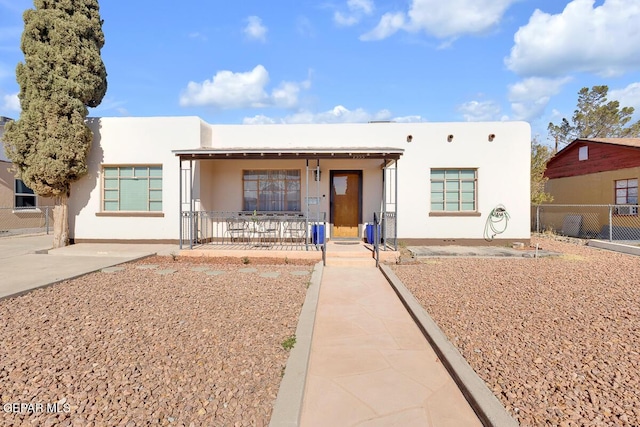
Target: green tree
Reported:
[(595, 117), (62, 74), (540, 155)]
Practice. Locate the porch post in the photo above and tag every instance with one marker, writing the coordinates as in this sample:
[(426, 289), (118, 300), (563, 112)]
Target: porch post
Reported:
[(180, 202), (191, 206), (395, 229), (306, 202), (384, 198)]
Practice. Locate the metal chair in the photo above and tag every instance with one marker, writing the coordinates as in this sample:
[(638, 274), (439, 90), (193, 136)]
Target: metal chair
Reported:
[(268, 230), (236, 229)]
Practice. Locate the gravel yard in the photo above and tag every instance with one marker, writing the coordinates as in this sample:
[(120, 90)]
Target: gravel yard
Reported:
[(556, 339), (147, 345)]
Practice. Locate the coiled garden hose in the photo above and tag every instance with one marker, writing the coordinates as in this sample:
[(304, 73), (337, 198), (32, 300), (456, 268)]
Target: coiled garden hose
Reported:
[(497, 222)]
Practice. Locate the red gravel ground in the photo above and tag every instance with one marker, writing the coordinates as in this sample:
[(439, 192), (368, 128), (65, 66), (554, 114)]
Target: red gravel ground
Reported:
[(556, 339), (135, 347)]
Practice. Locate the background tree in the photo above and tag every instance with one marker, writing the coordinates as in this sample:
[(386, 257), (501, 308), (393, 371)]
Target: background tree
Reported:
[(540, 155), (62, 74), (595, 117)]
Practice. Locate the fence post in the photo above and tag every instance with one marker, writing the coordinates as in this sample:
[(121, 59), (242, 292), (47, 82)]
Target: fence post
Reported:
[(46, 219), (538, 219), (610, 223)]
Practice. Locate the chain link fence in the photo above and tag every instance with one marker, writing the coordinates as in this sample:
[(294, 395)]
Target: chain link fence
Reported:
[(25, 221), (604, 222)]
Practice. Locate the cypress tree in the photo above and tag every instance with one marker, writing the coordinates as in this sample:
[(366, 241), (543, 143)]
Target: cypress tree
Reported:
[(62, 74)]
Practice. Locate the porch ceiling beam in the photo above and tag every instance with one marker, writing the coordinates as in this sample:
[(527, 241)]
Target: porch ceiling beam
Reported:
[(338, 153)]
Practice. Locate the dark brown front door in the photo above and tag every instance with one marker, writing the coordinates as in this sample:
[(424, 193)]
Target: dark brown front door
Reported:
[(346, 202)]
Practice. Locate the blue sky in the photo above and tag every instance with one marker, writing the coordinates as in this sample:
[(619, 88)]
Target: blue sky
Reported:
[(303, 61)]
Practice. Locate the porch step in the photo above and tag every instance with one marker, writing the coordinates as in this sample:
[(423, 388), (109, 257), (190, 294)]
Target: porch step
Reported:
[(351, 261)]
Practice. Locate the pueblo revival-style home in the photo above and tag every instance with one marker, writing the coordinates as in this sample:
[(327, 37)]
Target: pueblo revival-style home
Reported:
[(180, 179)]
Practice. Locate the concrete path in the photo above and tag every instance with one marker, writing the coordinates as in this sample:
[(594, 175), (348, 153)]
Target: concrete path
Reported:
[(370, 365), (28, 262)]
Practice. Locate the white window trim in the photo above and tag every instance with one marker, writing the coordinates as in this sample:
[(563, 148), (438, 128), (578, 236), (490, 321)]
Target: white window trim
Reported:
[(17, 209)]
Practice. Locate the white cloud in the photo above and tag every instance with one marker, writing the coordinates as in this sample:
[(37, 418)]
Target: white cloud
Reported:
[(255, 30), (258, 120), (443, 19), (357, 9), (338, 114), (476, 111), (365, 6), (11, 102), (530, 96), (229, 90), (304, 27), (628, 97), (198, 36), (388, 25), (604, 40), (409, 119)]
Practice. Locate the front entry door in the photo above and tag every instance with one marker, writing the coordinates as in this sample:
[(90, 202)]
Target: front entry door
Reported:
[(346, 203)]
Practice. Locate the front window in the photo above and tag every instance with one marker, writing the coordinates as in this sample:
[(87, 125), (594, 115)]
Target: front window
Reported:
[(24, 197), (453, 190), (132, 188), (271, 190)]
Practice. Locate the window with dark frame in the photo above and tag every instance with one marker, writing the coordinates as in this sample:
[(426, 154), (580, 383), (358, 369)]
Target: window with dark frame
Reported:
[(271, 190), (454, 190), (24, 197)]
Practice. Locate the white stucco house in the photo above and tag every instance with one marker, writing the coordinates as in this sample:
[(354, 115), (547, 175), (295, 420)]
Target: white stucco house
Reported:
[(175, 179)]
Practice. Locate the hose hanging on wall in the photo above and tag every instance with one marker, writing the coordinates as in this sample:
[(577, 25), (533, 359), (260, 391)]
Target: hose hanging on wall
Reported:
[(497, 222)]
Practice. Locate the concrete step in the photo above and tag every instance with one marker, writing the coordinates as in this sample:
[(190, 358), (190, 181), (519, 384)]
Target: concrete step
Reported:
[(351, 261)]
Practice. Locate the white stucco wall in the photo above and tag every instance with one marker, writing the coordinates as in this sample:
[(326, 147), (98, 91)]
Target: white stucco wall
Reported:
[(132, 141), (503, 170), (503, 177), (503, 166)]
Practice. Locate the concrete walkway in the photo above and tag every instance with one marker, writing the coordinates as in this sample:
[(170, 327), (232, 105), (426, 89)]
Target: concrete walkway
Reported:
[(370, 365), (28, 262)]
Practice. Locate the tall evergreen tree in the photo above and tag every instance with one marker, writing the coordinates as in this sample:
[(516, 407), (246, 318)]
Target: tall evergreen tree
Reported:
[(62, 74), (595, 117)]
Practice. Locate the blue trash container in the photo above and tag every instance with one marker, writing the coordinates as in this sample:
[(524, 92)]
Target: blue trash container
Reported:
[(369, 233), (317, 234)]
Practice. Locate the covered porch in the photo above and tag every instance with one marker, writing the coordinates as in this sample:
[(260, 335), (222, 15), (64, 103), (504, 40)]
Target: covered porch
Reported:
[(287, 199)]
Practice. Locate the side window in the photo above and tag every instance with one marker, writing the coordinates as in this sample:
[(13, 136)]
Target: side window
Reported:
[(24, 197), (626, 194)]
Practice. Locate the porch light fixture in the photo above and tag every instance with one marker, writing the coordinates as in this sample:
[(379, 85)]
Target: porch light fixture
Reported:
[(492, 136), (317, 174), (409, 138), (450, 138)]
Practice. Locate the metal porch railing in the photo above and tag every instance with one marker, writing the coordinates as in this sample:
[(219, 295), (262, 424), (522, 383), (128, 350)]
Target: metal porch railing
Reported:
[(259, 230)]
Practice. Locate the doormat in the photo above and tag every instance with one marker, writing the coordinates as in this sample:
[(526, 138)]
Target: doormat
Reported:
[(356, 242)]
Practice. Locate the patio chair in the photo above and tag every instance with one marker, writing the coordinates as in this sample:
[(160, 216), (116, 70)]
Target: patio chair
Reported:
[(237, 229), (295, 230), (268, 230)]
